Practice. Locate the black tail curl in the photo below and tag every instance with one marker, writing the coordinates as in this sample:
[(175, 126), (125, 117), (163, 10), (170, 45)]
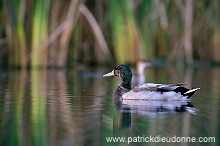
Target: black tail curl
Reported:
[(186, 92)]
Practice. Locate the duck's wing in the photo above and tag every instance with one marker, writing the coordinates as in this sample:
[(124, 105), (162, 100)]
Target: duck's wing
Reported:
[(158, 87), (171, 87)]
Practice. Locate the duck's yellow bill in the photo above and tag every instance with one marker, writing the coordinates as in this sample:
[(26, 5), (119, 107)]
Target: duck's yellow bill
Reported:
[(109, 74)]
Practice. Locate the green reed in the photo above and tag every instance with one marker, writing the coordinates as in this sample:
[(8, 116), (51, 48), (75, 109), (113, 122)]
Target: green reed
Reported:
[(125, 36), (58, 33), (39, 31)]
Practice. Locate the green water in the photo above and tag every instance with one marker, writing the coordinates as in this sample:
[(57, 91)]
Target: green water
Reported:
[(74, 107)]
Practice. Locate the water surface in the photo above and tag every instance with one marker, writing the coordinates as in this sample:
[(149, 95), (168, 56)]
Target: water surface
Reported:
[(73, 107)]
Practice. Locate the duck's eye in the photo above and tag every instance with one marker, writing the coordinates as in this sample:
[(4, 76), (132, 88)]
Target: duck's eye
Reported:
[(117, 73)]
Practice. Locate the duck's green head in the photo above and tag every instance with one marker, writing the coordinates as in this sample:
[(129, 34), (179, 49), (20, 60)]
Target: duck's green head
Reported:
[(124, 72)]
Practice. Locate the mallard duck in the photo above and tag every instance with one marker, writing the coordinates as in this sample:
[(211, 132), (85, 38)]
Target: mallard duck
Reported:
[(148, 91)]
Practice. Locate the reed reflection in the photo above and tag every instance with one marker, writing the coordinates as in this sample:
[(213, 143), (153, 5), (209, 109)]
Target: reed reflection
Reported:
[(80, 107), (46, 107), (59, 109)]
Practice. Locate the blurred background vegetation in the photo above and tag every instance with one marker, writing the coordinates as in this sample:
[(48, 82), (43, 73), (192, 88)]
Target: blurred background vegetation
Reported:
[(54, 33)]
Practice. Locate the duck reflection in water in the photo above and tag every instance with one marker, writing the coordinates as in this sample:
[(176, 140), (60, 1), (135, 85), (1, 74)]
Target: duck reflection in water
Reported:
[(150, 109), (154, 107)]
